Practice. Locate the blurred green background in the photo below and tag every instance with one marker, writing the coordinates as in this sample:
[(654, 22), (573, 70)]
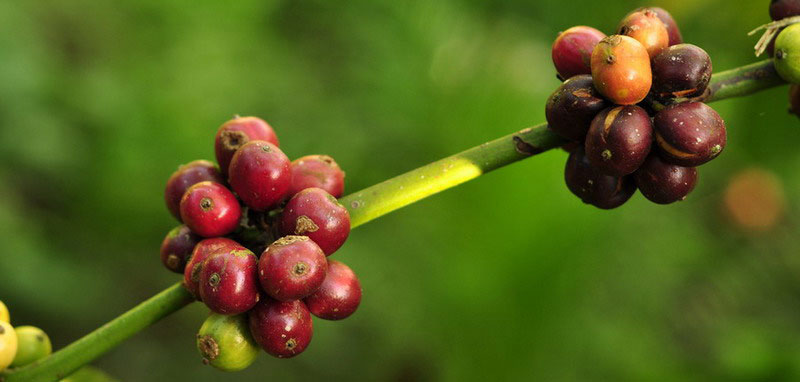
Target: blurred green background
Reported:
[(509, 277)]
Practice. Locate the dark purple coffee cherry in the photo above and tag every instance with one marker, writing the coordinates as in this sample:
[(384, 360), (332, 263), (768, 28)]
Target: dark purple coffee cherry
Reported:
[(572, 107), (602, 191), (202, 251), (339, 295), (318, 215), (260, 174), (794, 100), (186, 176), (665, 183), (292, 268), (619, 140), (781, 9), (229, 281), (283, 329), (177, 247), (682, 70), (689, 134)]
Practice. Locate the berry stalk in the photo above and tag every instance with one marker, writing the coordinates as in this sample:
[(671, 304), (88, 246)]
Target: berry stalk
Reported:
[(365, 206)]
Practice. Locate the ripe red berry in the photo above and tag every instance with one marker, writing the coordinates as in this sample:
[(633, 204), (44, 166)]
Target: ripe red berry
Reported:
[(283, 329), (592, 187), (682, 70), (781, 9), (236, 133), (646, 27), (202, 251), (665, 183), (319, 171), (339, 295), (621, 70), (186, 176), (260, 174), (229, 282), (689, 134), (210, 209), (177, 247), (318, 215), (572, 107), (619, 140), (572, 50), (292, 268)]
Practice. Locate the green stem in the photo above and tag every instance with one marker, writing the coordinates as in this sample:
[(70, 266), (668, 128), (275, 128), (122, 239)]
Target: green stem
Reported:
[(364, 206)]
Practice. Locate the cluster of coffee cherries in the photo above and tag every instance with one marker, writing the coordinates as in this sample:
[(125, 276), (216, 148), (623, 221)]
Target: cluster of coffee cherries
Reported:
[(630, 107), (22, 345), (254, 242)]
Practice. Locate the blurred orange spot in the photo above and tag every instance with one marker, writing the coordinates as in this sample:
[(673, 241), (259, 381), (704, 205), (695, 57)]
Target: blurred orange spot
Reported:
[(754, 200)]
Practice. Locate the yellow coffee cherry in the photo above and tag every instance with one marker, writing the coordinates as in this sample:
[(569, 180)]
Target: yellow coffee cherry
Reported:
[(32, 345), (8, 344), (4, 316)]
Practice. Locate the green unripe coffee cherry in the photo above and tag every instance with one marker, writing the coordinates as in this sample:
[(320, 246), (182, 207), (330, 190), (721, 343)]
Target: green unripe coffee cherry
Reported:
[(225, 342), (33, 344), (787, 54), (4, 316), (8, 344)]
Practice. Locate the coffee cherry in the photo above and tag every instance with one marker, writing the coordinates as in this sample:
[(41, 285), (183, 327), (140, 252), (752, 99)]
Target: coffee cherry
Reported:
[(202, 251), (225, 342), (572, 107), (592, 187), (782, 9), (236, 133), (185, 177), (787, 54), (682, 70), (229, 281), (8, 344), (689, 134), (260, 174), (319, 171), (339, 295), (318, 215), (292, 268), (4, 315), (672, 27), (619, 140), (572, 50), (664, 183), (33, 344), (646, 27), (283, 329), (794, 100), (621, 70), (177, 247), (209, 209)]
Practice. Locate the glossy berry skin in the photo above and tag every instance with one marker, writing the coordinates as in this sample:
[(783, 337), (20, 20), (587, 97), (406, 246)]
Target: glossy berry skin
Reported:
[(209, 209), (689, 134), (673, 31), (186, 176), (8, 344), (572, 107), (225, 342), (229, 282), (177, 247), (787, 54), (319, 171), (202, 251), (572, 50), (283, 329), (619, 140), (682, 70), (33, 344), (339, 295), (292, 268), (646, 27), (260, 174), (4, 315), (318, 215), (665, 183), (781, 9), (592, 187), (621, 70), (236, 133)]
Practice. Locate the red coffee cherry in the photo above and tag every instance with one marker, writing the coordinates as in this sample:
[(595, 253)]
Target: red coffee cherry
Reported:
[(682, 70), (666, 18), (646, 27), (572, 107), (202, 251), (292, 268), (572, 50), (318, 215), (210, 209), (592, 187), (319, 171), (186, 176), (781, 9), (229, 282), (339, 295), (665, 183), (619, 140), (177, 247), (689, 134), (283, 329), (236, 133), (260, 174), (621, 70)]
